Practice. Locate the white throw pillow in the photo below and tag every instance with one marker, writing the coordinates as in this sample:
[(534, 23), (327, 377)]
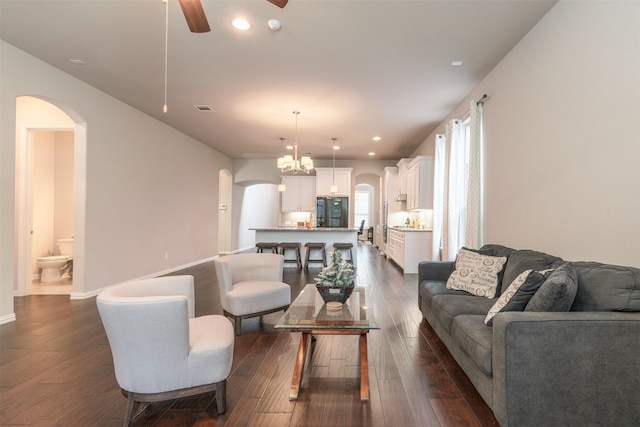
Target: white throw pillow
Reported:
[(476, 273)]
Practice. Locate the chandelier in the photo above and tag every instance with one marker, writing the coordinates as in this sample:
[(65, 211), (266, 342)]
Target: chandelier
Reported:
[(291, 163)]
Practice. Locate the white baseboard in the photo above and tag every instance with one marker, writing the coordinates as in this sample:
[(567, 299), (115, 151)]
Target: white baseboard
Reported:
[(95, 292), (7, 318), (174, 269)]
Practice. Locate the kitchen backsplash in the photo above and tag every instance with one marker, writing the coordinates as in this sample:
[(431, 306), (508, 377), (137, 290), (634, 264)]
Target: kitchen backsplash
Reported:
[(292, 218), (422, 218)]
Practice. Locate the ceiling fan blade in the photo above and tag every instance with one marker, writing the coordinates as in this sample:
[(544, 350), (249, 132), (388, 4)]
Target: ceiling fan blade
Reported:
[(194, 13), (279, 3)]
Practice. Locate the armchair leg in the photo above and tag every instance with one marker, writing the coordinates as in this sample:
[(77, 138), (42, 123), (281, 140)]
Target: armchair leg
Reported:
[(221, 396), (237, 320), (128, 410), (138, 402), (134, 408)]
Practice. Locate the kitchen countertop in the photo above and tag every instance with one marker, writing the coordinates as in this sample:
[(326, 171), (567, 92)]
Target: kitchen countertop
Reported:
[(305, 229), (410, 229)]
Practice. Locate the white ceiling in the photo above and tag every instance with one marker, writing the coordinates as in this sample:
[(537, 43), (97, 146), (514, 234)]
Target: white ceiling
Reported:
[(354, 69)]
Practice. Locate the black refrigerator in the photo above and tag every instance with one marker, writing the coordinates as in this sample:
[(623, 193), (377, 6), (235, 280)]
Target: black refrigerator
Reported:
[(332, 212)]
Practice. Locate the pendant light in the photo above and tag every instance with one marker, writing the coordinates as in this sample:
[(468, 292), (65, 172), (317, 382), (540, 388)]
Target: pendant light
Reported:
[(334, 188), (281, 187), (166, 51)]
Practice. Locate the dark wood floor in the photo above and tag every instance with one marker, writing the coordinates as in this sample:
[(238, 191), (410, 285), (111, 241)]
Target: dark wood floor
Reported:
[(56, 367)]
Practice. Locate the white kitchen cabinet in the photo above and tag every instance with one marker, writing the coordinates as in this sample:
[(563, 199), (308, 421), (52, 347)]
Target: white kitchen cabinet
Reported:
[(407, 247), (403, 166), (390, 190), (390, 183), (300, 194), (324, 180), (395, 246), (420, 183)]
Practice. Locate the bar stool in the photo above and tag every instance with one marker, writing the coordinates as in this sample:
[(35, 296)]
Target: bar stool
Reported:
[(343, 247), (315, 246), (268, 246), (295, 246)]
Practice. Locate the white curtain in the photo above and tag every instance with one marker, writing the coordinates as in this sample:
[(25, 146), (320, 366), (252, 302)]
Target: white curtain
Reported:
[(457, 204), (454, 218), (474, 237), (439, 182)]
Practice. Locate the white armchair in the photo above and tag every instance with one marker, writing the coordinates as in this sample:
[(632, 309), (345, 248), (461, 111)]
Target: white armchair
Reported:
[(160, 350), (251, 285)]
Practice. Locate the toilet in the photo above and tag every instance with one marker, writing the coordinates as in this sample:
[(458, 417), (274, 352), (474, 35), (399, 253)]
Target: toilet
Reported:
[(52, 266)]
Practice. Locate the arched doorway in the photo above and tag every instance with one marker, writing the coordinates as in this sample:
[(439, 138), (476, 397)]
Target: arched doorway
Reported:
[(371, 183), (33, 115)]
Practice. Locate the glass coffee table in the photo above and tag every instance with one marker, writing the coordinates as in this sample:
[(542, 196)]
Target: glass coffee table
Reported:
[(309, 315)]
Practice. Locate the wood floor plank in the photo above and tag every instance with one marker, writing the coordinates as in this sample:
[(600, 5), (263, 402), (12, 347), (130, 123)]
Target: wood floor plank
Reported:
[(56, 367), (242, 413)]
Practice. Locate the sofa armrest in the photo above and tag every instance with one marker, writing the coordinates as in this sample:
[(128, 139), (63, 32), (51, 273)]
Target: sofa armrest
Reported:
[(569, 369), (438, 271)]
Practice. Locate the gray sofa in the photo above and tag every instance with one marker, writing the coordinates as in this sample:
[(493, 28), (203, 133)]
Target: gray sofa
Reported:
[(575, 368)]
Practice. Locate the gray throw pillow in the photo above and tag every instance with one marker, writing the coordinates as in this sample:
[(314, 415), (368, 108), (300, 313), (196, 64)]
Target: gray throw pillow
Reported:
[(526, 259), (557, 292), (517, 295)]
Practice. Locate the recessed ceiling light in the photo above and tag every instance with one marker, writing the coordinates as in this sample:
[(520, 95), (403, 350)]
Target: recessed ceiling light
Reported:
[(204, 108), (376, 138), (77, 61), (457, 63), (289, 147), (371, 153), (241, 24)]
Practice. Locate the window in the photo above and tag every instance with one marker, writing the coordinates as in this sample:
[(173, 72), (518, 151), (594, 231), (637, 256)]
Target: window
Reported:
[(362, 208)]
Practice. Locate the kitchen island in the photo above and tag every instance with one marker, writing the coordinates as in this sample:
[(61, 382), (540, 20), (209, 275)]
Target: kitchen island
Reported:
[(328, 235)]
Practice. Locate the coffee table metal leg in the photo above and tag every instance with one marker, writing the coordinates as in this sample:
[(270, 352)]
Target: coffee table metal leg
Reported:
[(298, 369), (364, 369)]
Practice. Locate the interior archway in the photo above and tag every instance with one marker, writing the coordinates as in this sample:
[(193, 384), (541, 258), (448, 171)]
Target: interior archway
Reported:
[(33, 114)]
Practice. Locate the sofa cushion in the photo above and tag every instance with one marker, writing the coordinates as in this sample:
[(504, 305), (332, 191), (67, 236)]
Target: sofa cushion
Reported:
[(557, 292), (603, 287), (517, 295), (527, 259), (445, 308), (475, 339), (476, 273), (428, 289), (254, 296)]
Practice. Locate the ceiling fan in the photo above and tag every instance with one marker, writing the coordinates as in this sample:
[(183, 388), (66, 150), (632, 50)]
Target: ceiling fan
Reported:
[(197, 20)]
